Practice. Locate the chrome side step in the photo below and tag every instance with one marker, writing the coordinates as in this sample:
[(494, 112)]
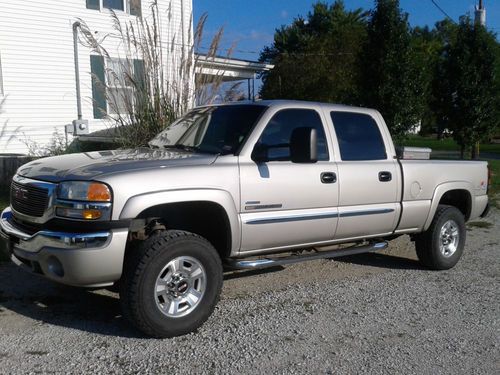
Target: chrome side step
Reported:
[(238, 264)]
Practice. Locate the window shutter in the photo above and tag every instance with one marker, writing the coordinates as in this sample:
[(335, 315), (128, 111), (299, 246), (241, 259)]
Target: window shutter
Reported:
[(139, 73), (135, 8), (98, 86), (93, 4)]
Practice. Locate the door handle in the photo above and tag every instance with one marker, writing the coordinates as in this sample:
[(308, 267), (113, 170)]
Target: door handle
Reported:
[(328, 177), (385, 176)]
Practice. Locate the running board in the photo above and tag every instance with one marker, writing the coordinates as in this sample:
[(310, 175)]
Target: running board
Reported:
[(238, 264)]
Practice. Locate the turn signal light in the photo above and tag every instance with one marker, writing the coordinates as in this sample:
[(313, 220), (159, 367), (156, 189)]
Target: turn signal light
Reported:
[(91, 214), (98, 193)]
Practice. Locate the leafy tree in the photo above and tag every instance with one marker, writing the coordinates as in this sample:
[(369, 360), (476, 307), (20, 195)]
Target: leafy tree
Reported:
[(468, 87), (316, 58), (390, 81), (426, 45)]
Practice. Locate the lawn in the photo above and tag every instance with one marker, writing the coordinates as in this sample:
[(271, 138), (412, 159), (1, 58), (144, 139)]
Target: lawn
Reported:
[(495, 171), (447, 144), (4, 201)]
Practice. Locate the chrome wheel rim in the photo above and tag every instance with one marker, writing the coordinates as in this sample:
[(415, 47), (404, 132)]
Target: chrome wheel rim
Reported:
[(449, 238), (180, 287)]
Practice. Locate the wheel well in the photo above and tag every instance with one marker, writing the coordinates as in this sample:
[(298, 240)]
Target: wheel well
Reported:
[(207, 219), (460, 199)]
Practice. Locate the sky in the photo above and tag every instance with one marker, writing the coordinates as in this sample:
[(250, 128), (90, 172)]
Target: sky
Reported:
[(250, 24)]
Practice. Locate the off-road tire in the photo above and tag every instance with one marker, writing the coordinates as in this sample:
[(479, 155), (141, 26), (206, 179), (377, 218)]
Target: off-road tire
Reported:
[(145, 262), (428, 243)]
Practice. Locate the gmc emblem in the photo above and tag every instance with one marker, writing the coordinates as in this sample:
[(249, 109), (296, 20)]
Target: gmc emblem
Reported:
[(20, 193)]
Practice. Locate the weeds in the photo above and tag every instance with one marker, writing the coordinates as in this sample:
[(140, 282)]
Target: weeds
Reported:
[(57, 145), (156, 84)]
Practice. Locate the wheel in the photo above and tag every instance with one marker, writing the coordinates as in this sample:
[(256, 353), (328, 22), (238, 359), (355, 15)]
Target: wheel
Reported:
[(171, 284), (442, 245)]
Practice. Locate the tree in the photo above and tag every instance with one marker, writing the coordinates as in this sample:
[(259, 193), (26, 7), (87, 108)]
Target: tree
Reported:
[(469, 89), (426, 45), (390, 82), (316, 58), (445, 33)]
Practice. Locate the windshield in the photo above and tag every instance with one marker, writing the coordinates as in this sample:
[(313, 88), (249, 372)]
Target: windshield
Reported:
[(217, 130)]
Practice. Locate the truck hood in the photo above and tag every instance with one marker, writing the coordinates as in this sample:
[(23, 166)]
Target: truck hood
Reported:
[(92, 165)]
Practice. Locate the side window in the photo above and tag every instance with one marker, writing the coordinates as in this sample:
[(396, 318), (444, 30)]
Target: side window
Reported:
[(358, 136), (277, 134)]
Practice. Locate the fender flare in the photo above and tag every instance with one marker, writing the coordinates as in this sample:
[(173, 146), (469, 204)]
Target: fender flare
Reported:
[(137, 204), (441, 190)]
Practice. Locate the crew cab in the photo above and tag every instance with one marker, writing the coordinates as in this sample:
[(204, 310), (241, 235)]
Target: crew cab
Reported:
[(236, 186)]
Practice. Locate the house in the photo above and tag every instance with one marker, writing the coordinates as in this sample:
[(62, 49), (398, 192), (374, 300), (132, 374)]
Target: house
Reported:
[(42, 68)]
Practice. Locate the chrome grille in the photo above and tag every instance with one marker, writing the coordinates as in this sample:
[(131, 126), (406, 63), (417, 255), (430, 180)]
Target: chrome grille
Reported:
[(29, 200)]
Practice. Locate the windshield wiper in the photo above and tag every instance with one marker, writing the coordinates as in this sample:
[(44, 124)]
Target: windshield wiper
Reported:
[(182, 147)]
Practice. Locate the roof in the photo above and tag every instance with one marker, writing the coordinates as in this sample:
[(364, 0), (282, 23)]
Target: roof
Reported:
[(228, 68), (297, 103)]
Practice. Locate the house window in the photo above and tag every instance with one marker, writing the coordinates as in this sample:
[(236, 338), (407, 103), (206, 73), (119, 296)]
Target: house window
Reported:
[(132, 7), (114, 4), (121, 93), (112, 85)]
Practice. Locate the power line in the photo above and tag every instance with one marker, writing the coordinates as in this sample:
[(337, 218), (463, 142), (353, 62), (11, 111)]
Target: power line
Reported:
[(442, 11)]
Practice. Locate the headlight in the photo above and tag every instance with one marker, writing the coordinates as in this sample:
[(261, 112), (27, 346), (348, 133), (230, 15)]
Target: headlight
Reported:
[(84, 191), (83, 200)]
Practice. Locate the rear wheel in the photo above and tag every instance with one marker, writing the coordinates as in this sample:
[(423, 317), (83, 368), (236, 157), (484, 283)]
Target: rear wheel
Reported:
[(442, 245), (171, 284)]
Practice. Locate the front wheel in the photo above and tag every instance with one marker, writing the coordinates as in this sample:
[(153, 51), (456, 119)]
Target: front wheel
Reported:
[(171, 284), (442, 245)]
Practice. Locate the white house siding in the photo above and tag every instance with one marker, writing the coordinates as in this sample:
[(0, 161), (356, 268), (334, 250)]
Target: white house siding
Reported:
[(37, 63)]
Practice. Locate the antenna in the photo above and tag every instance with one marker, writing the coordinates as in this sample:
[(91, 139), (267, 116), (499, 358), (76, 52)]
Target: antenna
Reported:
[(480, 14)]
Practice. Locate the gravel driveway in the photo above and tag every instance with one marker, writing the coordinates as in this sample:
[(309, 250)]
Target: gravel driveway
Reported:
[(375, 313)]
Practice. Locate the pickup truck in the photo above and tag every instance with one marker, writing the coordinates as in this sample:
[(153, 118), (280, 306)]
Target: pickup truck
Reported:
[(238, 186)]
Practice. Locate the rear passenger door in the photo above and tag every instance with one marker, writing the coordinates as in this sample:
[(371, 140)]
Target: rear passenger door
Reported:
[(368, 176)]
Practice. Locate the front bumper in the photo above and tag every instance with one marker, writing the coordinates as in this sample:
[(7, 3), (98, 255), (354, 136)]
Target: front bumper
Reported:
[(79, 259)]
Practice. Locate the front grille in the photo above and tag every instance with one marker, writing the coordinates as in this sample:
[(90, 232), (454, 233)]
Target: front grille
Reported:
[(29, 200)]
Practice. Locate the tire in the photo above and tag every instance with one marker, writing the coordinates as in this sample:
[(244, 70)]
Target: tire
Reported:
[(442, 245), (170, 284)]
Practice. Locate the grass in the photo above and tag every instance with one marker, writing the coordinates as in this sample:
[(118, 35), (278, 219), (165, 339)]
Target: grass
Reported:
[(447, 144), (4, 202), (494, 191)]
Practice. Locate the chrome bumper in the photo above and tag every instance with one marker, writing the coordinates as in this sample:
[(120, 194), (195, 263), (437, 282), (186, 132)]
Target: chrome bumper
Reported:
[(80, 259)]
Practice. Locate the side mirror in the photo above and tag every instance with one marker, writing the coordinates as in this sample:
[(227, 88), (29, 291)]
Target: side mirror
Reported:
[(260, 153), (304, 145)]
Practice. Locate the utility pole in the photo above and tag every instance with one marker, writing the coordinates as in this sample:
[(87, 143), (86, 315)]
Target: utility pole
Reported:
[(480, 19), (480, 14)]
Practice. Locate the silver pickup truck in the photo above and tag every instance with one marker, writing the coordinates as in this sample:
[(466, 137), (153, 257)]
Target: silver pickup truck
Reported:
[(237, 186)]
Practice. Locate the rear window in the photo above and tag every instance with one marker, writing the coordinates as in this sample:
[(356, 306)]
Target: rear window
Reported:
[(358, 136)]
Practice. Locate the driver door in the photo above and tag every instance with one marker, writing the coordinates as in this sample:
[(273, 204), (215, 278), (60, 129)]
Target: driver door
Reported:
[(283, 203)]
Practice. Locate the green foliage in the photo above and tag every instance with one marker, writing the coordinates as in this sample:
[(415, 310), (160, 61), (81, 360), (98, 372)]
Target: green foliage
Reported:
[(316, 58), (390, 81), (466, 89)]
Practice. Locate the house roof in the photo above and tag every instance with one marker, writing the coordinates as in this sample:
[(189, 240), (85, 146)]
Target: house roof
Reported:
[(229, 69)]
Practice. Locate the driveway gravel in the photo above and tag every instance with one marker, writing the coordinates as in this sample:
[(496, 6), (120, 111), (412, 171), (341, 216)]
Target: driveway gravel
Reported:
[(375, 313)]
